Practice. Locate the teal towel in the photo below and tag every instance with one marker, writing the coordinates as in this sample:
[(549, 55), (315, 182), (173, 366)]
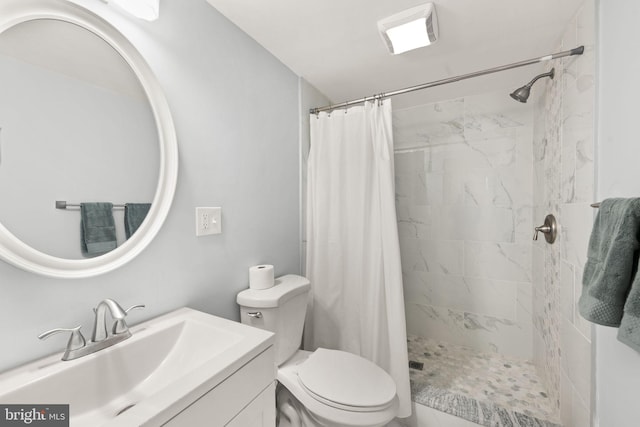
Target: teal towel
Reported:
[(98, 228), (611, 262), (134, 214), (629, 332)]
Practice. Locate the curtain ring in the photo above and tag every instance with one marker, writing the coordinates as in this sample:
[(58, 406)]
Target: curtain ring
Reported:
[(378, 97)]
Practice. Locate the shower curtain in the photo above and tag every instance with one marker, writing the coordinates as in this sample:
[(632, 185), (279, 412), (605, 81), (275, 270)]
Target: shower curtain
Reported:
[(353, 252)]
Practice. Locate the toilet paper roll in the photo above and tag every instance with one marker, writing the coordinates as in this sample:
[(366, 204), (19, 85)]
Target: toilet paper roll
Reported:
[(261, 277)]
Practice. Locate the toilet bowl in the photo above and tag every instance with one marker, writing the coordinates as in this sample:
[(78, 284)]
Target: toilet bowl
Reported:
[(327, 388), (335, 388)]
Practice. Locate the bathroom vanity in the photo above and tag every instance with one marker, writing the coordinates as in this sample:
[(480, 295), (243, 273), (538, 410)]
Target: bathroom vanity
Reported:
[(250, 406), (183, 368)]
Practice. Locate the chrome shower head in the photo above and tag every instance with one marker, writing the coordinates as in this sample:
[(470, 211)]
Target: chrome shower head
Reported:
[(522, 94)]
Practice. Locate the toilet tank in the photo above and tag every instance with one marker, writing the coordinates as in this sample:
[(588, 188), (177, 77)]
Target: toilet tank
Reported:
[(280, 309)]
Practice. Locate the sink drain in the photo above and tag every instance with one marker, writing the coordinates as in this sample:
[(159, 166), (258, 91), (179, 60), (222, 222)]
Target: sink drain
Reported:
[(125, 409)]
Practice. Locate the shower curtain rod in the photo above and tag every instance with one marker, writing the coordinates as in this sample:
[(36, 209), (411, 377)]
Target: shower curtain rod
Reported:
[(575, 51)]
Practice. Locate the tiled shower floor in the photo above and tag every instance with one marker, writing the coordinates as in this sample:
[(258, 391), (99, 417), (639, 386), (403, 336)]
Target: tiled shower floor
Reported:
[(485, 388)]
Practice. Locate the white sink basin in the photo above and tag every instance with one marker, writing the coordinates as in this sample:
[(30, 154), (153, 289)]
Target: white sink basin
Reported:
[(167, 364)]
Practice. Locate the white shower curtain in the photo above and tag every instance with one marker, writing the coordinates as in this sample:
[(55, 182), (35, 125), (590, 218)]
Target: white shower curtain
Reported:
[(353, 252)]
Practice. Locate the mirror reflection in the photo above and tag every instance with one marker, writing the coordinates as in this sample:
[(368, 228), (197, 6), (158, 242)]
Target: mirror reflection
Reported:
[(76, 126)]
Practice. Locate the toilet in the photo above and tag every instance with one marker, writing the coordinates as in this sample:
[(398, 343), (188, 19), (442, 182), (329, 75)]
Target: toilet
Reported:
[(322, 388)]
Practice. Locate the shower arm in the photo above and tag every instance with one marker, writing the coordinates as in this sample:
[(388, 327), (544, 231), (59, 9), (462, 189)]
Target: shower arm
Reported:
[(538, 77), (575, 51)]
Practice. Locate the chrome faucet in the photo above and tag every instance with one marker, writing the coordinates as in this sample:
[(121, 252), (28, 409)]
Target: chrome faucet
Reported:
[(101, 337), (100, 332)]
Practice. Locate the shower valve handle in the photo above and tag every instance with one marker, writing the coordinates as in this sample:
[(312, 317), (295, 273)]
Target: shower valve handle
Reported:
[(544, 228), (549, 228)]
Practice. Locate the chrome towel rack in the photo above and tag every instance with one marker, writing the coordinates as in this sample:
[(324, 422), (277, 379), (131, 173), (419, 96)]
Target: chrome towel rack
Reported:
[(62, 204), (595, 205)]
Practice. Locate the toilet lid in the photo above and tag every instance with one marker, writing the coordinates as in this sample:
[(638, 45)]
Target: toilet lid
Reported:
[(343, 379)]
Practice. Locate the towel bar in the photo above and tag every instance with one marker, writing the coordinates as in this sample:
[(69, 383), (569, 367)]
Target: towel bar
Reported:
[(595, 205), (62, 204)]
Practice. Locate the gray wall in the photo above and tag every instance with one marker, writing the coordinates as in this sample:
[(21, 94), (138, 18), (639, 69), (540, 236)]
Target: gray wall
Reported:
[(617, 367), (310, 98), (235, 109)]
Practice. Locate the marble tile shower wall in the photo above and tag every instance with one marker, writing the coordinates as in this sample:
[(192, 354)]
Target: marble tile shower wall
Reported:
[(564, 186), (464, 204)]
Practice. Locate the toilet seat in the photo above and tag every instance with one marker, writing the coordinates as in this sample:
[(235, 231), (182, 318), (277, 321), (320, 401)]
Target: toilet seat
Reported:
[(346, 381), (334, 413)]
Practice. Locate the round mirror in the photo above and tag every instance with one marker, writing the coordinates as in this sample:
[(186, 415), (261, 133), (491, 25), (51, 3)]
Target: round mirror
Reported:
[(82, 121)]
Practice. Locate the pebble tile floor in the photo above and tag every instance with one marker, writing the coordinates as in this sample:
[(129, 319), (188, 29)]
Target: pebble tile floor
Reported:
[(485, 388)]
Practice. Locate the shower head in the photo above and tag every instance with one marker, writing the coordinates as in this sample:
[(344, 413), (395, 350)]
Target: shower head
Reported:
[(522, 94)]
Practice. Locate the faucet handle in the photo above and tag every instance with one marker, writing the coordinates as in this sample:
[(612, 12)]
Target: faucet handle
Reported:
[(120, 326), (133, 307), (76, 339)]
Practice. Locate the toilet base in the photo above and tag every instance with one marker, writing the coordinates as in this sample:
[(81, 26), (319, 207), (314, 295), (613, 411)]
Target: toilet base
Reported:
[(288, 410), (291, 413)]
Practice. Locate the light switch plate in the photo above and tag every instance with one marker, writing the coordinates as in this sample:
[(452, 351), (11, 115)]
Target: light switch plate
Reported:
[(208, 221)]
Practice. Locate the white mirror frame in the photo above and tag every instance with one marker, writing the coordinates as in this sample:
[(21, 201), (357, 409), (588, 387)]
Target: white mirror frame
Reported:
[(19, 254)]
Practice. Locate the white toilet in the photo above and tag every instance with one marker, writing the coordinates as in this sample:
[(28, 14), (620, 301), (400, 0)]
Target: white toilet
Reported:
[(320, 388)]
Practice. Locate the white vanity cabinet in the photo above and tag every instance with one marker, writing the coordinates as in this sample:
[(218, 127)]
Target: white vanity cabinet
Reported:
[(261, 412), (246, 398)]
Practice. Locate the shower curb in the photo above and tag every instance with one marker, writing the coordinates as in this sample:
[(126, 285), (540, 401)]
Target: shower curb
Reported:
[(480, 412)]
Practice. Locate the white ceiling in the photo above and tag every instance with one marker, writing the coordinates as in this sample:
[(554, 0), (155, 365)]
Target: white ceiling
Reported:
[(334, 44)]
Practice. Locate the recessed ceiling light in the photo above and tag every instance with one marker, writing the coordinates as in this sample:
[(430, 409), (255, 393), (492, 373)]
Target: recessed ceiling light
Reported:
[(144, 9), (410, 29)]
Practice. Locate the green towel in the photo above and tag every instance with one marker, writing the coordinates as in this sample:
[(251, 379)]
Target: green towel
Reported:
[(629, 332), (611, 261), (98, 229), (134, 215)]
